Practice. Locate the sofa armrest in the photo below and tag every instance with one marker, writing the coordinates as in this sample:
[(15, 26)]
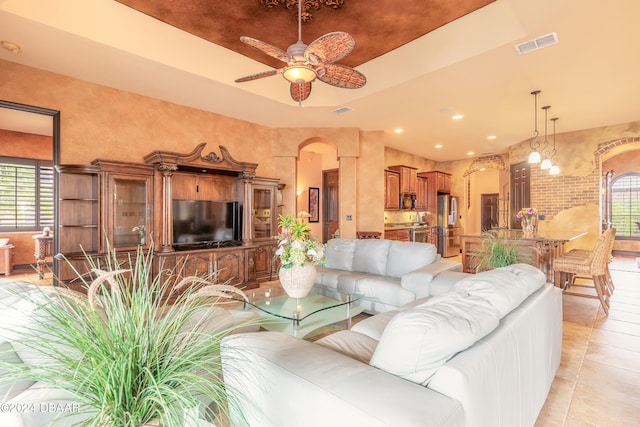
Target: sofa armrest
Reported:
[(274, 379), (419, 281)]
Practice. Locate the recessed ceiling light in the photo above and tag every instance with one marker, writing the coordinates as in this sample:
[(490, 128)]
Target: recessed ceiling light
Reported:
[(483, 169), (457, 117), (438, 146), (470, 153), (399, 130), (491, 137)]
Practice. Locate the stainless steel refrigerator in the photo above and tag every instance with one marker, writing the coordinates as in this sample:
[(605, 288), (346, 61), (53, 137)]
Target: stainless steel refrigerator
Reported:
[(448, 226)]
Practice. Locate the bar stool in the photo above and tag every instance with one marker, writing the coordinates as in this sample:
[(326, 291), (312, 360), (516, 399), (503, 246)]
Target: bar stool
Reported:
[(594, 266)]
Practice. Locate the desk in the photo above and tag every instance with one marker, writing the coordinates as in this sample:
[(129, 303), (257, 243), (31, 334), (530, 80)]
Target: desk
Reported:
[(541, 249), (44, 248)]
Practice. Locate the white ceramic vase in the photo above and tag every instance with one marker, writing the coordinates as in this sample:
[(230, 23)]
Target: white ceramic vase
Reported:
[(297, 281)]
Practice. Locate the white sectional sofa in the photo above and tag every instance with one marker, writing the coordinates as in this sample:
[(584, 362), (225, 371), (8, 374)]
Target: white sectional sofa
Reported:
[(483, 354), (389, 273)]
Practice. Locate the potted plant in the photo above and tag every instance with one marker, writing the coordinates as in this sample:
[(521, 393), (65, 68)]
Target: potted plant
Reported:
[(139, 348), (299, 253), (495, 252)]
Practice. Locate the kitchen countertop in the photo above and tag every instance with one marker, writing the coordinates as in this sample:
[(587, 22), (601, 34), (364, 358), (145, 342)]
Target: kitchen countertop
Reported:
[(406, 226)]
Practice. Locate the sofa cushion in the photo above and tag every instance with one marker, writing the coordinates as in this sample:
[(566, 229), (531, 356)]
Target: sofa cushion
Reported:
[(504, 288), (371, 256), (352, 344), (339, 254), (384, 289), (408, 256), (418, 341)]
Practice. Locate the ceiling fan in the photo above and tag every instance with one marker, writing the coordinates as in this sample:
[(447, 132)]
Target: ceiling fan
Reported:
[(307, 63)]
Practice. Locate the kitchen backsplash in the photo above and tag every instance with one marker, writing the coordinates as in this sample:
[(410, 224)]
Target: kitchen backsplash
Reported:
[(401, 217)]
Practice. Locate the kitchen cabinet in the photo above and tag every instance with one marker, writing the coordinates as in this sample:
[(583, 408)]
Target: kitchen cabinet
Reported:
[(408, 178), (440, 181), (422, 194), (432, 237), (391, 190), (403, 234)]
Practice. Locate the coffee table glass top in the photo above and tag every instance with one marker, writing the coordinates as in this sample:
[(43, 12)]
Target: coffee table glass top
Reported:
[(300, 316)]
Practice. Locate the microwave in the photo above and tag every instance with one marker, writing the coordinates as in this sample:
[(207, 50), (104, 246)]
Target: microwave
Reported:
[(408, 201)]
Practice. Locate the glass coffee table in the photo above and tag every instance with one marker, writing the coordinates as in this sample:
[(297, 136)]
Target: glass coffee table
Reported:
[(301, 316)]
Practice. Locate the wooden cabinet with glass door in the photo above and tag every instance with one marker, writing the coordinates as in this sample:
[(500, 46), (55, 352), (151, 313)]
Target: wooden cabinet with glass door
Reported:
[(127, 209), (264, 226)]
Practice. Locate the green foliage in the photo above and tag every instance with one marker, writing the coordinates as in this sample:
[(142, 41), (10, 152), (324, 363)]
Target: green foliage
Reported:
[(295, 243), (136, 351), (496, 252)]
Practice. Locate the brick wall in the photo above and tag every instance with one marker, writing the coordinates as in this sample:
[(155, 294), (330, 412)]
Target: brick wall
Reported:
[(552, 194)]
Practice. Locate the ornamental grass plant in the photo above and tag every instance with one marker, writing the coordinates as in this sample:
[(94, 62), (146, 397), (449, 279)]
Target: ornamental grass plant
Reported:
[(495, 252), (138, 348)]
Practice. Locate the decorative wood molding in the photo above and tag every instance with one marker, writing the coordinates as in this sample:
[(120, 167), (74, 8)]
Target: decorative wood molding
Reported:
[(224, 163)]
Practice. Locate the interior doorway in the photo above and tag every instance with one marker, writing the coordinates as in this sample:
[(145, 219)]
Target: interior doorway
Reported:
[(489, 211), (330, 202)]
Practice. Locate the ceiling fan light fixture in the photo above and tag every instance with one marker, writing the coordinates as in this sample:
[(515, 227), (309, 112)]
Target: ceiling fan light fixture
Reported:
[(299, 73)]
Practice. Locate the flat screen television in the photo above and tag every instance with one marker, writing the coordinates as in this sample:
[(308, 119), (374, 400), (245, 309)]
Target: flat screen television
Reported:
[(202, 222)]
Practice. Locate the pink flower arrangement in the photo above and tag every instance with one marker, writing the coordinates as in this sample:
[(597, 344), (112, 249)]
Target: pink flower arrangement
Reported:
[(527, 212)]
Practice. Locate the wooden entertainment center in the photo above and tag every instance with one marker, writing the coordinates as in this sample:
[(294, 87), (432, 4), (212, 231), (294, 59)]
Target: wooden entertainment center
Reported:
[(124, 206)]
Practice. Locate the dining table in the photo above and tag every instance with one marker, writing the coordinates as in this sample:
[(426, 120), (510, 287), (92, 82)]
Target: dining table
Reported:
[(540, 250)]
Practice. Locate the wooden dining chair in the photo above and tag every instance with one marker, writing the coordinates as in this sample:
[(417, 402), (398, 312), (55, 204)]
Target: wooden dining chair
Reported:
[(594, 266)]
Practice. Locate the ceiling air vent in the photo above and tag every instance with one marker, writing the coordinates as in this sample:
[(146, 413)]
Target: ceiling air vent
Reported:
[(342, 110), (535, 44)]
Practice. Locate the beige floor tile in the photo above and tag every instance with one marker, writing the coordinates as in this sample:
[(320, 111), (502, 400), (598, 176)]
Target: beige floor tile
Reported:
[(598, 382), (606, 408)]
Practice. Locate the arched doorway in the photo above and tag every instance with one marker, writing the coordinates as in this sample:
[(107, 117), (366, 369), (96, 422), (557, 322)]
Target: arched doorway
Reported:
[(317, 159)]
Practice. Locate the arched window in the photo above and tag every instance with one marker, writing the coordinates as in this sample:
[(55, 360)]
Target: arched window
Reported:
[(625, 206)]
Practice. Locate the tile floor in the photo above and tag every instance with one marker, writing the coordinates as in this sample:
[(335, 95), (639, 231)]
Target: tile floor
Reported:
[(598, 382)]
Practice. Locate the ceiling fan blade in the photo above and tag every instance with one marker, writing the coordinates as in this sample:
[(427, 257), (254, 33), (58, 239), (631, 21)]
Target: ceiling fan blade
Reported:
[(329, 48), (270, 50), (342, 76), (257, 76), (300, 91)]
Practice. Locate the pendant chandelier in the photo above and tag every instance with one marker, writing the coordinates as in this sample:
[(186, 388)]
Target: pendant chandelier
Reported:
[(546, 162), (534, 144), (554, 169)]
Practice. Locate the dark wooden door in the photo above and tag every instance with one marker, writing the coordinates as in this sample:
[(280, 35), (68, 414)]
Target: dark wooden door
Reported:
[(489, 208), (331, 218), (520, 190)]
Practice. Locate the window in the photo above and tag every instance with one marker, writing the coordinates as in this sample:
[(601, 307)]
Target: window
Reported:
[(26, 194), (625, 206)]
